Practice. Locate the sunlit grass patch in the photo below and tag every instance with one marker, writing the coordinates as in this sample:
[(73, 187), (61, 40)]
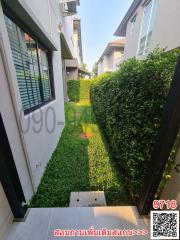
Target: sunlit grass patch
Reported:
[(79, 164), (83, 103)]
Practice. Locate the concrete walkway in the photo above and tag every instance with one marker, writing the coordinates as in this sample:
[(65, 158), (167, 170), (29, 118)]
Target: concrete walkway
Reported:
[(41, 222)]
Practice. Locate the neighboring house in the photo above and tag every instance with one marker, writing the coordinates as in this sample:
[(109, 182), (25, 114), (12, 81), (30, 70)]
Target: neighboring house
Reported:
[(146, 25), (34, 38), (112, 56), (72, 62), (77, 40), (70, 28), (149, 24), (74, 66)]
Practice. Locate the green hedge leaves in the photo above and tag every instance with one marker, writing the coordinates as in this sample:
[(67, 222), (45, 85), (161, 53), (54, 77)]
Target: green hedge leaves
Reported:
[(128, 105), (79, 90)]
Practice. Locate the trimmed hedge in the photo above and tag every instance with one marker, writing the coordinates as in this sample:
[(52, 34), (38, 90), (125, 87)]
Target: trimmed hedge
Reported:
[(79, 90), (128, 105)]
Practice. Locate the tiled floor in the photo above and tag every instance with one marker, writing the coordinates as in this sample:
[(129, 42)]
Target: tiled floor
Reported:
[(40, 223)]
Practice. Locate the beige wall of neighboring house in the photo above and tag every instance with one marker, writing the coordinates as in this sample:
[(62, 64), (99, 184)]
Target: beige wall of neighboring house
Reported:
[(31, 150), (132, 38), (110, 62), (111, 57), (166, 27), (118, 57), (72, 74), (164, 30), (67, 29), (77, 40), (74, 65), (67, 32), (106, 64)]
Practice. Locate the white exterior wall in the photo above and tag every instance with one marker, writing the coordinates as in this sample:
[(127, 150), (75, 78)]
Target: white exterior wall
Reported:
[(110, 62), (6, 216), (117, 59), (10, 123), (31, 151), (76, 48), (40, 146), (100, 67), (106, 65), (67, 29), (132, 38), (165, 31), (166, 28), (106, 62)]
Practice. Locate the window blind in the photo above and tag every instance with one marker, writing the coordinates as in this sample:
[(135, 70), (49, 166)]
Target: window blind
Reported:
[(31, 65)]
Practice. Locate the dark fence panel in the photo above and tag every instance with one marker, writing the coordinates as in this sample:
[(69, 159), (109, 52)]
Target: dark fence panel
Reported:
[(164, 143)]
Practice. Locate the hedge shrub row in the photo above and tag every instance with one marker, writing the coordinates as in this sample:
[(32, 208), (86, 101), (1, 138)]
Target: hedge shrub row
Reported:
[(128, 105), (79, 90)]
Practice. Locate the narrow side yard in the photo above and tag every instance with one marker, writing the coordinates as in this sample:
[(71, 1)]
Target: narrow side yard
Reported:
[(79, 163)]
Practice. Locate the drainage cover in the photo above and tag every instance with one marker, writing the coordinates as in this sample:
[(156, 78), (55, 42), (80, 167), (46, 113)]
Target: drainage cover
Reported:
[(87, 199)]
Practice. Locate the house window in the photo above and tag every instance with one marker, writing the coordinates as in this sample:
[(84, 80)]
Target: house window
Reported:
[(133, 21), (147, 26), (31, 62)]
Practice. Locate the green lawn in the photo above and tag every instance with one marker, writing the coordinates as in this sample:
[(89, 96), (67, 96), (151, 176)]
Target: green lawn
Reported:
[(79, 164)]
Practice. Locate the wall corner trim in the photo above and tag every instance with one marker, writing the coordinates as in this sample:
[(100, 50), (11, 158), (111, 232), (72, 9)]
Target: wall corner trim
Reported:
[(23, 12)]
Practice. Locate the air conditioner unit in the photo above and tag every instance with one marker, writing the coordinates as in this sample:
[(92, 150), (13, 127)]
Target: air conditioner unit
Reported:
[(69, 7)]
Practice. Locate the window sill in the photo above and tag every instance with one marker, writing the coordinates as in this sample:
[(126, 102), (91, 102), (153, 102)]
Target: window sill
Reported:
[(30, 110)]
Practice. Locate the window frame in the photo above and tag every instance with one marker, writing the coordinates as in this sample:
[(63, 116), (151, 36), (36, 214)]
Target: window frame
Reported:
[(145, 5), (49, 53), (133, 22)]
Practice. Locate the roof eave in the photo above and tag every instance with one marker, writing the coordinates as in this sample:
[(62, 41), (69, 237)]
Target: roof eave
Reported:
[(65, 50), (121, 30), (108, 48), (104, 53)]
